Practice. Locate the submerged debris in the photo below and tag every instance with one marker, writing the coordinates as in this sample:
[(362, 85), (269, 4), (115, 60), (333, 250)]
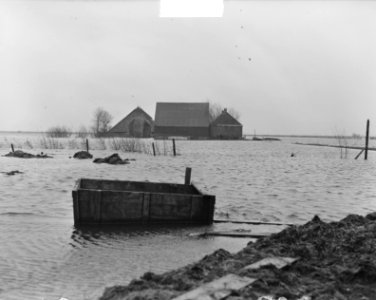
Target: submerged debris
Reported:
[(21, 154), (82, 155), (11, 173), (336, 261), (113, 159)]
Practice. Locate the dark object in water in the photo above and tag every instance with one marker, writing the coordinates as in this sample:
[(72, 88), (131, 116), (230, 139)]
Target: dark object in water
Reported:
[(11, 173), (113, 159), (234, 234), (82, 155), (255, 138), (21, 154), (292, 154), (98, 201), (252, 222)]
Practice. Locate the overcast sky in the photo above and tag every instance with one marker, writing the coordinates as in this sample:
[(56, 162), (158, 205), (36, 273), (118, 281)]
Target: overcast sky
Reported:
[(288, 67)]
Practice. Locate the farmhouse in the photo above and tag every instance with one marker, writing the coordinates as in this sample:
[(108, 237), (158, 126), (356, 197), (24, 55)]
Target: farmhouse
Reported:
[(137, 124), (226, 127), (188, 120)]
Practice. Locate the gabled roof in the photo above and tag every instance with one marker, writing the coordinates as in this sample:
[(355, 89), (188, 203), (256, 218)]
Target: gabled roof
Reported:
[(225, 119), (138, 109), (193, 114)]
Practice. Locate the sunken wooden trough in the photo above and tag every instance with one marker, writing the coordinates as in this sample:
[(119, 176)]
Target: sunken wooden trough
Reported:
[(97, 201)]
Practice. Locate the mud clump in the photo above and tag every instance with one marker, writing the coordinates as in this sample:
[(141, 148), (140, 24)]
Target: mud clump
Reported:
[(337, 260), (21, 154), (82, 155), (113, 159)]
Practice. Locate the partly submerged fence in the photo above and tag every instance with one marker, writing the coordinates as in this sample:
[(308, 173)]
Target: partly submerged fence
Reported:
[(145, 146)]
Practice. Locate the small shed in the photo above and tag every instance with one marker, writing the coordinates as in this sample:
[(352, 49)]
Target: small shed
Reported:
[(136, 124), (187, 120), (226, 127)]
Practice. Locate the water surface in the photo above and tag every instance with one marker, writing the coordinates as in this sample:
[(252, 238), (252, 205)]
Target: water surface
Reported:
[(42, 255)]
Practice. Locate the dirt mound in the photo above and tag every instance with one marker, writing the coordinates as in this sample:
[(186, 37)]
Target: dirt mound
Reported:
[(21, 154), (113, 159), (82, 155), (337, 261)]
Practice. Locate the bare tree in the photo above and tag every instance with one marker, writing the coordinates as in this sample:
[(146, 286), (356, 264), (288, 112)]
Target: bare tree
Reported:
[(234, 113), (101, 121), (216, 109), (82, 132)]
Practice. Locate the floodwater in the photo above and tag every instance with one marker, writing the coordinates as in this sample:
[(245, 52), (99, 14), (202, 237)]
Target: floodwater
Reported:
[(42, 255)]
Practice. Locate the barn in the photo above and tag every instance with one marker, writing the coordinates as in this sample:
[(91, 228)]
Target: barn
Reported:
[(226, 127), (187, 120), (136, 124)]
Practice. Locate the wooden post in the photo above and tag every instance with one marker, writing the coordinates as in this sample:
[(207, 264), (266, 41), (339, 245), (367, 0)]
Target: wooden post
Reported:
[(356, 157), (87, 145), (173, 147), (188, 172), (153, 148), (12, 147), (367, 139)]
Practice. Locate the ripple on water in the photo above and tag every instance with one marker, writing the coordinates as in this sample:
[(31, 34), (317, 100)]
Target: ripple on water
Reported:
[(44, 256)]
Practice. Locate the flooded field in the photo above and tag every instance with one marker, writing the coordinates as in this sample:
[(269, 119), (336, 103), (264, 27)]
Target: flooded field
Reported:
[(42, 255)]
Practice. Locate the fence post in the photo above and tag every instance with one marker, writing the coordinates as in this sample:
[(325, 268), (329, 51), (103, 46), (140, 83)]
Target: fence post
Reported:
[(173, 147), (153, 148), (188, 172), (12, 147), (87, 145), (367, 139), (356, 157)]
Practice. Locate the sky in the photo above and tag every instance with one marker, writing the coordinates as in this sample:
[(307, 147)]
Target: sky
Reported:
[(288, 67)]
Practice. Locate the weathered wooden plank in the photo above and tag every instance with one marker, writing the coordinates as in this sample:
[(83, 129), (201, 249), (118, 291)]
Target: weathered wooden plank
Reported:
[(187, 179), (170, 207), (89, 206), (252, 222), (166, 203), (76, 215), (121, 206), (217, 289), (278, 262), (209, 205), (224, 286), (154, 187), (230, 234), (197, 208), (146, 207)]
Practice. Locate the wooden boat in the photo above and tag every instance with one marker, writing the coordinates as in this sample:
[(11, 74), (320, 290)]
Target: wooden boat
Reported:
[(115, 202)]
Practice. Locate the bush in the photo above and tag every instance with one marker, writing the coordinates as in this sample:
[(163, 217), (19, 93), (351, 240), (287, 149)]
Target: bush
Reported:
[(50, 143), (58, 132)]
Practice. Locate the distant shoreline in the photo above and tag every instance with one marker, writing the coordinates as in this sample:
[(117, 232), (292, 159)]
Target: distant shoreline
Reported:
[(244, 135)]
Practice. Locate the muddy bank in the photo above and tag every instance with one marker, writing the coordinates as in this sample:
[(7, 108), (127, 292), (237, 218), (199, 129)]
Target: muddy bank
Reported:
[(337, 260)]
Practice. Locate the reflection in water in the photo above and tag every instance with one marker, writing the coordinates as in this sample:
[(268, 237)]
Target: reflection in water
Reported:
[(111, 255), (84, 236)]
